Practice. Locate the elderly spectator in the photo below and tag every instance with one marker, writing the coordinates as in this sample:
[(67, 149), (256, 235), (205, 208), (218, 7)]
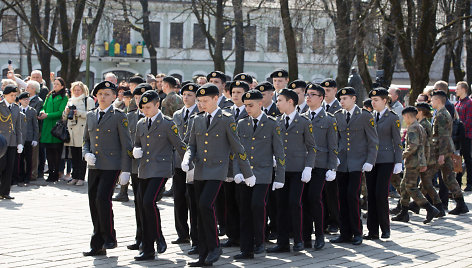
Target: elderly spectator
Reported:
[(464, 109), (6, 82), (111, 77), (201, 80), (37, 76), (33, 88), (395, 104)]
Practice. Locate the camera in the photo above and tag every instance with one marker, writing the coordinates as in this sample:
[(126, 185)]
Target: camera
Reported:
[(9, 62), (70, 115)]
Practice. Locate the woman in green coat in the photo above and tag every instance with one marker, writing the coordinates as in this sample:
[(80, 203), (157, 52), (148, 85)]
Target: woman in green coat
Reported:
[(54, 106)]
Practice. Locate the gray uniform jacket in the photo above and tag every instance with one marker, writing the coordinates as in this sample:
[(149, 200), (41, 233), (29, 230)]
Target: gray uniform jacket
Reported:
[(299, 143), (225, 102), (210, 148), (273, 110), (31, 129), (108, 140), (182, 126), (242, 114), (261, 146), (358, 140), (325, 132), (133, 118), (37, 103), (305, 108), (333, 108), (158, 143), (390, 142), (10, 124)]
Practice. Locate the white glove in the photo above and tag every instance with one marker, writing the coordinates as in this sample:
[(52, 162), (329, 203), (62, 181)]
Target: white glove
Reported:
[(19, 148), (238, 178), (330, 175), (34, 143), (90, 159), (229, 179), (277, 185), (306, 174), (367, 167), (185, 165), (190, 175), (137, 152), (124, 178), (338, 162), (397, 168), (274, 161), (251, 181)]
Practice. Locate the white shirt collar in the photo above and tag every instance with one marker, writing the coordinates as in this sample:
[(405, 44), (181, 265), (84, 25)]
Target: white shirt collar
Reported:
[(331, 104), (190, 109), (241, 108), (352, 110), (155, 116), (106, 109), (213, 113), (258, 118), (302, 106), (383, 112), (291, 116), (24, 108), (317, 111), (268, 107), (7, 103)]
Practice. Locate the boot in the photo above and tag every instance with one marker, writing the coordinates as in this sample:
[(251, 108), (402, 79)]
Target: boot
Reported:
[(122, 196), (440, 207), (397, 209), (431, 212), (403, 216), (461, 207), (414, 207)]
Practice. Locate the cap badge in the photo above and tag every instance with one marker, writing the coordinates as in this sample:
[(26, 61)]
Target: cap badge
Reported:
[(213, 74), (243, 77), (145, 99), (374, 93), (202, 92), (248, 95), (344, 91), (280, 74), (293, 85), (326, 84), (107, 84), (190, 87)]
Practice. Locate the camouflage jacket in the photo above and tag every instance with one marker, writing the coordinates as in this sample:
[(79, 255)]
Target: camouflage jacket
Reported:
[(413, 154), (171, 104), (430, 159), (442, 134)]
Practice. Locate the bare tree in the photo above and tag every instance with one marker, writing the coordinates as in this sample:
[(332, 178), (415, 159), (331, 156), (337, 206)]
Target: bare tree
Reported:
[(290, 41)]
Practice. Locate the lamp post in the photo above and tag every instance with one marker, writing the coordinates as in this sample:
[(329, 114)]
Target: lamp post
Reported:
[(88, 19)]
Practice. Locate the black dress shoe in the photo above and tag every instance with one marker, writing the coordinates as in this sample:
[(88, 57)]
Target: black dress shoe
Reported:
[(161, 246), (230, 243), (357, 240), (181, 241), (244, 256), (371, 237), (213, 255), (298, 247), (319, 243), (259, 249), (307, 244), (95, 252), (145, 256), (386, 235), (199, 264), (279, 249), (110, 245), (333, 229), (340, 239), (272, 236), (221, 231), (8, 197), (193, 250), (134, 246)]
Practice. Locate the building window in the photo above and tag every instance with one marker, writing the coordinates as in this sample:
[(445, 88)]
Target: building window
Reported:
[(318, 41), (250, 38), (273, 39), (9, 28), (155, 29), (199, 39), (121, 33), (228, 40), (176, 35), (299, 39)]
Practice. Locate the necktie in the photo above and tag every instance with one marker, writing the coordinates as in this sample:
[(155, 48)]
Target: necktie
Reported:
[(140, 116), (24, 111), (348, 117), (266, 111), (208, 120), (286, 122), (298, 108), (313, 114), (237, 113), (149, 123), (9, 107), (327, 107), (255, 124), (100, 116), (378, 117), (186, 115)]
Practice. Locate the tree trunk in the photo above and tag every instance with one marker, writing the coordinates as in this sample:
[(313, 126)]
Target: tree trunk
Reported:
[(468, 45), (239, 37), (146, 34), (343, 37), (388, 59), (218, 59), (447, 62), (457, 59), (290, 41)]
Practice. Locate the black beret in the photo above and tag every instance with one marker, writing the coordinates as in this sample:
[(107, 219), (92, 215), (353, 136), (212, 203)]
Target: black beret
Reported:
[(104, 85), (410, 109), (328, 82), (239, 84), (378, 92), (137, 80), (141, 88), (217, 74), (208, 89), (147, 97), (440, 93), (127, 93), (23, 95), (184, 83), (9, 89), (171, 80), (297, 84), (290, 94), (252, 95), (368, 103), (316, 87), (189, 87), (265, 86), (243, 77), (279, 73), (424, 105), (346, 91)]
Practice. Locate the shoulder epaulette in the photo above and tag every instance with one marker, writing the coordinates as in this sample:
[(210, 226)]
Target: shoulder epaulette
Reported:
[(167, 118), (225, 113), (338, 111), (306, 117), (271, 118), (329, 114), (202, 112), (365, 110), (393, 112)]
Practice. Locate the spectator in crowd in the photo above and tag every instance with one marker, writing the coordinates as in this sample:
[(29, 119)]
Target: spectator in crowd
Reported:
[(395, 104), (367, 104), (111, 77), (464, 109), (443, 86), (6, 82), (33, 88), (159, 79), (201, 80), (151, 79), (127, 96), (422, 98), (37, 76), (119, 102)]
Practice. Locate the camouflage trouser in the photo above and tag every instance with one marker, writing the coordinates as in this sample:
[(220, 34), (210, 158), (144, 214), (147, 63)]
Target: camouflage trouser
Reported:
[(409, 188), (395, 180), (448, 176), (426, 185)]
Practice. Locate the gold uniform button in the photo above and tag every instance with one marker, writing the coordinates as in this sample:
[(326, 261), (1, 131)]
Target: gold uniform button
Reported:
[(252, 167), (206, 142), (348, 149), (204, 159), (206, 134), (96, 144), (285, 148), (147, 145), (286, 140), (147, 136), (286, 134), (147, 152), (252, 148), (348, 139), (253, 138), (147, 160), (252, 157), (96, 137), (348, 144), (98, 129), (348, 133), (96, 152), (205, 151), (347, 128)]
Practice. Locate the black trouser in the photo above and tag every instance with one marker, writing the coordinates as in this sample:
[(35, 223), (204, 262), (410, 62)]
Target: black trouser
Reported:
[(232, 210), (378, 181), (6, 170), (331, 203), (78, 163), (15, 177), (313, 204), (101, 184), (466, 153), (192, 204), (221, 208), (272, 210), (205, 195), (289, 209), (41, 159), (137, 209), (252, 210), (180, 203), (148, 190), (53, 154), (26, 160), (349, 184)]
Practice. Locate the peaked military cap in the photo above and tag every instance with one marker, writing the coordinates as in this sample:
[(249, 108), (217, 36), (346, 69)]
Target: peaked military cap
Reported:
[(265, 86), (378, 92), (137, 80), (9, 89), (23, 95), (239, 84), (127, 93), (316, 87), (297, 84), (141, 88)]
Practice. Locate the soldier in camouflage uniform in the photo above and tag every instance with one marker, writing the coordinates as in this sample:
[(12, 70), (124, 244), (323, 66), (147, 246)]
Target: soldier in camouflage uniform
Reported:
[(415, 162), (173, 102)]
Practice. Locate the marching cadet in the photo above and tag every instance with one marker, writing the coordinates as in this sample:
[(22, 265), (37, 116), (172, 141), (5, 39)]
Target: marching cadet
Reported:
[(330, 191), (326, 138), (299, 87), (218, 79), (107, 151), (260, 135), (299, 146), (279, 80), (415, 162), (358, 144), (156, 138), (442, 149), (268, 105), (212, 139), (181, 120), (389, 160), (10, 128), (30, 135), (173, 101)]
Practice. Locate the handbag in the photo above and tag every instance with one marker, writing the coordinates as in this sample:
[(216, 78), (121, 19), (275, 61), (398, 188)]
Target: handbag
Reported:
[(457, 161), (60, 131)]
